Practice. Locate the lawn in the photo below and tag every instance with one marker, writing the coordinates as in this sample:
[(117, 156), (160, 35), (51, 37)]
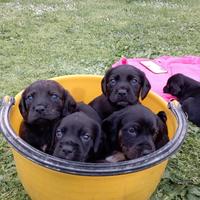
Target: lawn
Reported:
[(43, 39)]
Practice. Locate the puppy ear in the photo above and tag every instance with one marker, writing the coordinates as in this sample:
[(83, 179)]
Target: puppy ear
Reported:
[(103, 85), (111, 126), (162, 116), (22, 106), (97, 140), (69, 104), (145, 87), (104, 80), (51, 145), (162, 137)]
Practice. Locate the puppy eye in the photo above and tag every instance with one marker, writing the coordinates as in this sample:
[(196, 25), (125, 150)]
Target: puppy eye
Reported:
[(132, 131), (133, 81), (86, 137), (54, 96), (113, 82), (29, 97), (59, 133)]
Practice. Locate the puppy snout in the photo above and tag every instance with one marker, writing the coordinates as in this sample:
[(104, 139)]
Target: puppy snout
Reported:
[(40, 108), (166, 89), (122, 92), (64, 151)]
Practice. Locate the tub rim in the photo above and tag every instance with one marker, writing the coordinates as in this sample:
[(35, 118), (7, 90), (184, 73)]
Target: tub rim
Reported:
[(92, 169)]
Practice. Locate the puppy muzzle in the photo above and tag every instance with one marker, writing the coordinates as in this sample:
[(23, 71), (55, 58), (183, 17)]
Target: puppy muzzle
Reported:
[(69, 151), (137, 151), (66, 152), (42, 116), (122, 98)]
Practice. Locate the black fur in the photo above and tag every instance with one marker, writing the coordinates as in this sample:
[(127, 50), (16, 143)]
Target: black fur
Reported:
[(78, 136), (42, 104), (187, 91), (121, 86), (136, 131)]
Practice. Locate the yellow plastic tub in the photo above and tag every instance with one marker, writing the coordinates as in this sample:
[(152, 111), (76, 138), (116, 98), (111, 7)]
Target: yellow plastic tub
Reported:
[(45, 177)]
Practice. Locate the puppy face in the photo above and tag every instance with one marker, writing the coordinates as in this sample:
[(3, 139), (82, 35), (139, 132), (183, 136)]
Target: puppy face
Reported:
[(44, 101), (77, 137), (174, 85), (136, 140), (135, 130), (124, 84)]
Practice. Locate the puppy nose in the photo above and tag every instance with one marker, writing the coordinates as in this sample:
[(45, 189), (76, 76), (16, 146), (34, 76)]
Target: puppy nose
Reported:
[(67, 150), (40, 108), (122, 92)]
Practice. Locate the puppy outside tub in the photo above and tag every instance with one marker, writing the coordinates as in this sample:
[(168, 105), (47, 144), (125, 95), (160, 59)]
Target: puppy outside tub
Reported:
[(47, 177)]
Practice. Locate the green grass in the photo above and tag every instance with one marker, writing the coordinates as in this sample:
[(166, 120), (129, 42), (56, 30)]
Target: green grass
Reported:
[(42, 39)]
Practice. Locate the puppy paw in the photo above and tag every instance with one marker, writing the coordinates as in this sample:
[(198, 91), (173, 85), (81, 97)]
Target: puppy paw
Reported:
[(117, 157), (44, 147)]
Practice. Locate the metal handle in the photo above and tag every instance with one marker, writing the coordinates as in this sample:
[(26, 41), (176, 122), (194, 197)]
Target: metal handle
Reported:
[(182, 120), (7, 102), (5, 105), (176, 108)]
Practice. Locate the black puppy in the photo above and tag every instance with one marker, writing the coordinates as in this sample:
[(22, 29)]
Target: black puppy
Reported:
[(41, 105), (187, 91), (136, 131), (121, 86), (78, 136)]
